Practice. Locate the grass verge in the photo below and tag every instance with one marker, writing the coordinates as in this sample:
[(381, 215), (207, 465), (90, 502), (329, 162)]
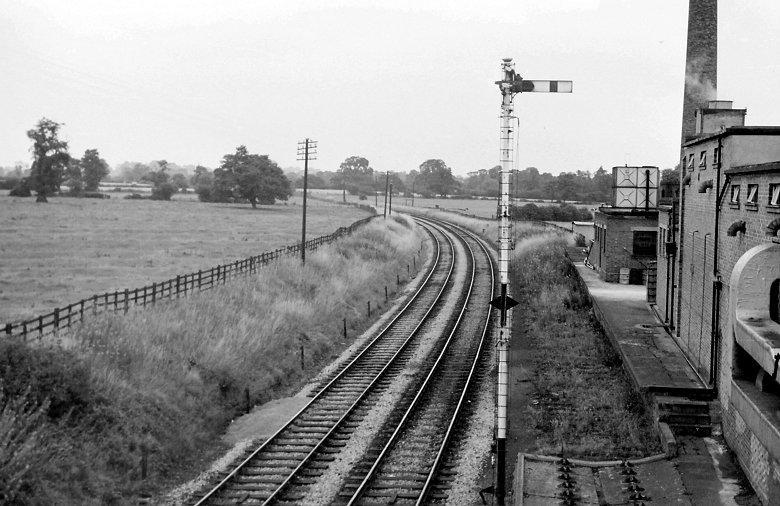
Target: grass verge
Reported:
[(582, 404), (144, 392)]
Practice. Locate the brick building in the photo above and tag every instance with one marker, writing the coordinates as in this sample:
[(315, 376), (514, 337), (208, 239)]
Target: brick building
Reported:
[(625, 232), (719, 279)]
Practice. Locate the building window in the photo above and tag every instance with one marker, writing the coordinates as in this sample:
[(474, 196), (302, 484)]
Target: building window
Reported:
[(644, 243), (774, 194), (690, 161), (735, 194), (716, 156), (752, 194), (774, 301), (703, 159)]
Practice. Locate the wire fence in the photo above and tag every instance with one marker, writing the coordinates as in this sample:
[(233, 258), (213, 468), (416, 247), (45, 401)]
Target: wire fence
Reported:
[(123, 300)]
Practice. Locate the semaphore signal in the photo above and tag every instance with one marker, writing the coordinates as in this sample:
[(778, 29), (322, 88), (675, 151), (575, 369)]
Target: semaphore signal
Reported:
[(510, 85)]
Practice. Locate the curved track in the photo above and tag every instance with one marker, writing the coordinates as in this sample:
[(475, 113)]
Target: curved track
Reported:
[(282, 469), (411, 461)]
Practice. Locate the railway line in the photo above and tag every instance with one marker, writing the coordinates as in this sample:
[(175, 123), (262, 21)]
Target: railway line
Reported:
[(428, 353)]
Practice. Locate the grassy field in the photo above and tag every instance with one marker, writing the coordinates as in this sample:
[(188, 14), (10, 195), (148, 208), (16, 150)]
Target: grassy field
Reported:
[(483, 208), (165, 381), (56, 253)]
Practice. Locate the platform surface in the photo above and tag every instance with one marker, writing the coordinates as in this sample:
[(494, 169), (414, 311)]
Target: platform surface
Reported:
[(654, 362)]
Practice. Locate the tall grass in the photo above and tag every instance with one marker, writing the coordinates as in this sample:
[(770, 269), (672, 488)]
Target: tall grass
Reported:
[(583, 404), (165, 381)]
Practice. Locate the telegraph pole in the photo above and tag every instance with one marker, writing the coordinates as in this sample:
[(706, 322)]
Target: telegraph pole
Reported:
[(390, 206), (509, 86), (307, 150), (387, 181)]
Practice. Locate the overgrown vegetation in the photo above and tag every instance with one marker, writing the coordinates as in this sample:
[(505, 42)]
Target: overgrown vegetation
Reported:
[(562, 212), (582, 405), (159, 384)]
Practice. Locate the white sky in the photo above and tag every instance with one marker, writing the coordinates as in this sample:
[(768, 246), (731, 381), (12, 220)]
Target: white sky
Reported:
[(397, 82)]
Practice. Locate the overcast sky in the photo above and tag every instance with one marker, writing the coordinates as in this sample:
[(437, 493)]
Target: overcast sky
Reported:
[(397, 82)]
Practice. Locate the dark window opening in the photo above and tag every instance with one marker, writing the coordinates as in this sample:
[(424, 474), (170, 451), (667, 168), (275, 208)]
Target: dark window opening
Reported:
[(774, 194), (735, 194), (774, 301), (644, 243), (752, 194)]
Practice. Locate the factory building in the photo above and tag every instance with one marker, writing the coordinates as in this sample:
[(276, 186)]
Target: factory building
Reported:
[(718, 258)]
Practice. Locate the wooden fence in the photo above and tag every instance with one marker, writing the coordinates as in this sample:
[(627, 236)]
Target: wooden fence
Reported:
[(123, 300)]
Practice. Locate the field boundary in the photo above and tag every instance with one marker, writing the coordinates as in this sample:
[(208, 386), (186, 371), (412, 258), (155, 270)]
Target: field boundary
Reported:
[(122, 300)]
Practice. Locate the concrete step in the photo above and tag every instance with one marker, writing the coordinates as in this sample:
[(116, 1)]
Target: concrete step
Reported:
[(691, 430), (685, 419), (679, 405)]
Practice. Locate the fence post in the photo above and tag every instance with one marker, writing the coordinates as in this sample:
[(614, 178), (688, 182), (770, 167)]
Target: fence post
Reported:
[(116, 300), (345, 329), (154, 292), (368, 303), (385, 293), (414, 262), (200, 275), (127, 299), (56, 318), (40, 327), (94, 304), (178, 283), (81, 310), (397, 279), (8, 328)]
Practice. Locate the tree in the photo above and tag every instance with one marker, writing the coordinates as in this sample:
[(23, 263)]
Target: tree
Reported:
[(93, 169), (129, 172), (73, 178), (255, 178), (435, 178), (356, 175), (50, 158), (179, 181)]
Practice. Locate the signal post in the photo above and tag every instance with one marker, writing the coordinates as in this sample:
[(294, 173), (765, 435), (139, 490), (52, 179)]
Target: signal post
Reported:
[(510, 85)]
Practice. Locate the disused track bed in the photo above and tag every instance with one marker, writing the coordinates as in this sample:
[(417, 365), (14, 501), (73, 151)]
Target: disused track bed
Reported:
[(282, 468)]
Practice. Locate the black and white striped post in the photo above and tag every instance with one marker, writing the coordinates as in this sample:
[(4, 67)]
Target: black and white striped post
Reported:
[(510, 85)]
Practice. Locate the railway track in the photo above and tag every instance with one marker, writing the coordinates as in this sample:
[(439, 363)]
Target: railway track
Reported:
[(288, 464), (410, 468)]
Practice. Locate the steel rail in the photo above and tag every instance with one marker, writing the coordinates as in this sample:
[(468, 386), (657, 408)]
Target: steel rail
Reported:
[(428, 381), (365, 391), (423, 285), (461, 401)]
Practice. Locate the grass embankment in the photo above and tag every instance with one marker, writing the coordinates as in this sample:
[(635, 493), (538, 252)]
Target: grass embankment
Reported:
[(56, 253), (581, 401), (165, 381)]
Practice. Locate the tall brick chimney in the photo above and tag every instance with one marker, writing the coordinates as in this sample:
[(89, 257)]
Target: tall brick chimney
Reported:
[(701, 62)]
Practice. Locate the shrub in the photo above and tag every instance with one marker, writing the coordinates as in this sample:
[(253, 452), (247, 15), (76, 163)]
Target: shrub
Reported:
[(8, 183), (45, 374), (135, 196), (22, 189), (23, 446), (163, 191)]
